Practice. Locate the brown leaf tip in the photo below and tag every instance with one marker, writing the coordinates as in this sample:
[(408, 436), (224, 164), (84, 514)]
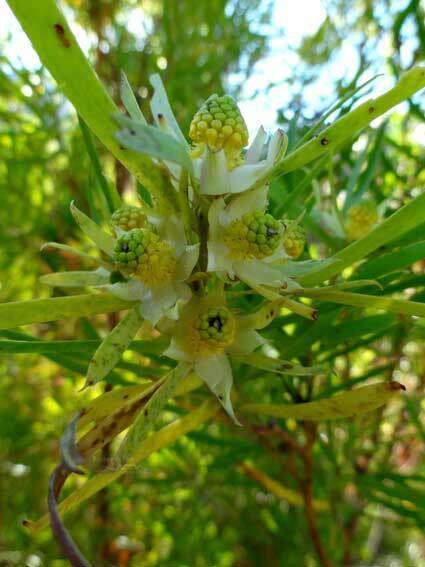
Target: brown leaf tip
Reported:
[(396, 386), (26, 523)]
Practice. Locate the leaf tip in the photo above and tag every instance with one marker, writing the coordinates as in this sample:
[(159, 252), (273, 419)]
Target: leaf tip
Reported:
[(396, 386), (26, 523)]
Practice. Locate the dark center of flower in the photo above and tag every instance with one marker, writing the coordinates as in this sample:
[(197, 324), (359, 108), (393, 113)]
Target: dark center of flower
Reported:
[(271, 232), (215, 322), (125, 247)]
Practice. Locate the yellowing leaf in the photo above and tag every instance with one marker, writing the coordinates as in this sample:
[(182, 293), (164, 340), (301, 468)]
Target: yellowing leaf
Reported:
[(349, 404)]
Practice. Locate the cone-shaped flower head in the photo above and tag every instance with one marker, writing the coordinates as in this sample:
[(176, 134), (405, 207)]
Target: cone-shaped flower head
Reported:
[(245, 242), (254, 235), (219, 125), (129, 217), (361, 218), (143, 254), (205, 333), (294, 239), (158, 261), (148, 265), (213, 330)]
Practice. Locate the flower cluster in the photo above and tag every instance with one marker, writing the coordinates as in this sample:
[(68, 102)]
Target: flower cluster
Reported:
[(182, 260)]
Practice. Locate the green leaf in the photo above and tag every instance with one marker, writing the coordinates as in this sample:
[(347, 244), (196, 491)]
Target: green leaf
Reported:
[(391, 228), (69, 250), (111, 349), (152, 141), (129, 100), (102, 239), (393, 261), (19, 313), (316, 127), (145, 348), (146, 419), (344, 128), (105, 190), (348, 404), (59, 51), (391, 304), (76, 279), (278, 366)]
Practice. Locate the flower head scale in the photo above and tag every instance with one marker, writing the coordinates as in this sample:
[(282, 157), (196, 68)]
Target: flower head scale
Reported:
[(246, 243), (206, 333)]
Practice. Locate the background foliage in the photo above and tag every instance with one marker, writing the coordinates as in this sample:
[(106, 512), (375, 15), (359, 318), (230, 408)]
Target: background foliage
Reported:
[(207, 500)]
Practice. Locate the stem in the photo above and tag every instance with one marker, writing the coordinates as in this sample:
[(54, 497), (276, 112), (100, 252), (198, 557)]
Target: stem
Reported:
[(56, 481), (183, 200), (307, 456)]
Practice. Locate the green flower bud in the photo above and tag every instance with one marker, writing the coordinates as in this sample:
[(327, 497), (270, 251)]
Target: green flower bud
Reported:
[(129, 217), (219, 125), (255, 235), (143, 254), (214, 329), (360, 219), (294, 239)]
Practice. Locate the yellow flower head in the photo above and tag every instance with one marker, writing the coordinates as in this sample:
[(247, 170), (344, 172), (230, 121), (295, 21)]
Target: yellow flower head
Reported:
[(255, 235), (294, 240), (143, 254), (212, 329), (361, 218), (219, 125), (129, 217)]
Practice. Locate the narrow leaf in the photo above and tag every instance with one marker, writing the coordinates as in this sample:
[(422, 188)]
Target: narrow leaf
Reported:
[(152, 141), (69, 250), (352, 122), (151, 411), (129, 100), (19, 313), (391, 304), (102, 239), (391, 228), (106, 191), (112, 348), (348, 404), (76, 279)]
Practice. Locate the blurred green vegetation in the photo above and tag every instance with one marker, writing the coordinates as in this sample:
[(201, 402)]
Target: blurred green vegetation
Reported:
[(199, 503)]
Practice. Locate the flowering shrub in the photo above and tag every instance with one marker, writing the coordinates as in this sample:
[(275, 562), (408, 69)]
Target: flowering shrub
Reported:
[(206, 270)]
